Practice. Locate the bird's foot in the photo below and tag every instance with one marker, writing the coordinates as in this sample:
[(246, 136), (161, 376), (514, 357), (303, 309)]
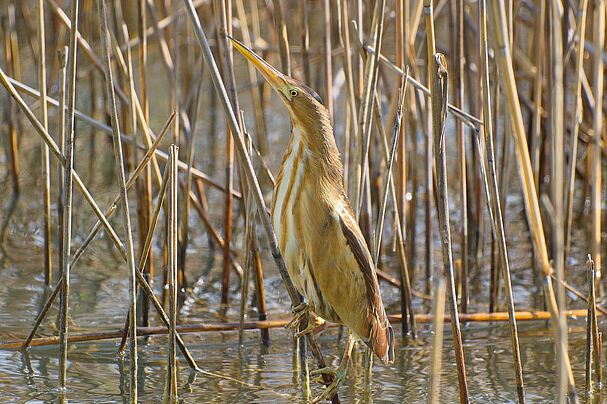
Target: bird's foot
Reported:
[(302, 311), (338, 375), (299, 311)]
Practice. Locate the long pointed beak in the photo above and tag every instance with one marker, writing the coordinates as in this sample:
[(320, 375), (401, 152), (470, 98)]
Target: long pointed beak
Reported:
[(273, 76)]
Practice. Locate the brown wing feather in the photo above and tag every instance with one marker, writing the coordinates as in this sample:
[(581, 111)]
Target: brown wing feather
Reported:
[(381, 334)]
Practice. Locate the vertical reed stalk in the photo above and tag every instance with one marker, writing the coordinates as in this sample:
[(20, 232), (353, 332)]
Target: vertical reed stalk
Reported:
[(46, 164), (260, 124), (493, 197), (12, 64), (62, 56), (251, 178), (67, 195), (577, 120), (371, 74), (536, 126), (401, 167), (344, 37), (130, 253), (305, 41), (460, 65), (597, 127), (328, 58), (557, 189), (228, 70), (430, 51), (283, 38), (172, 241), (438, 317), (439, 90), (145, 184)]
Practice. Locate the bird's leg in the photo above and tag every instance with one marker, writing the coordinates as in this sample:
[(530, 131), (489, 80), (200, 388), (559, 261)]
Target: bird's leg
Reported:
[(338, 374)]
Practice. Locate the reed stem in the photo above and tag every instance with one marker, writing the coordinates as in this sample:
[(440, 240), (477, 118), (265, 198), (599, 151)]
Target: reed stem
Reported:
[(439, 86), (172, 241)]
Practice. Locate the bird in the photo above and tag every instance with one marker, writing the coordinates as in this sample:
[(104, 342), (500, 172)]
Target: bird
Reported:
[(323, 247)]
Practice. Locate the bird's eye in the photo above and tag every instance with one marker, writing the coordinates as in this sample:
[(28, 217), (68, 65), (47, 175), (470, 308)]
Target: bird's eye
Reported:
[(294, 92)]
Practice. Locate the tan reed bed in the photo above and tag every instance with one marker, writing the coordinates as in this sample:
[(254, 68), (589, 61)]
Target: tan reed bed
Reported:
[(537, 104)]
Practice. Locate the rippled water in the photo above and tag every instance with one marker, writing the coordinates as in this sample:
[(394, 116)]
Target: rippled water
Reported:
[(247, 373)]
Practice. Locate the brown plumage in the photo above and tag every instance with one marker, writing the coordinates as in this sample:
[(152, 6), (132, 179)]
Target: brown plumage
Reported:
[(322, 244)]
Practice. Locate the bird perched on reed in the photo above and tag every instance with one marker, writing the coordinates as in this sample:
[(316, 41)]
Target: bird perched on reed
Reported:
[(323, 247)]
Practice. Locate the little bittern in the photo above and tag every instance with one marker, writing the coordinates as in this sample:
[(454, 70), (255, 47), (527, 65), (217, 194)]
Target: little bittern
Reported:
[(323, 247)]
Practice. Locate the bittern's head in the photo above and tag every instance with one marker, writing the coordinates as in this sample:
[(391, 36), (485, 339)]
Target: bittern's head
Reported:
[(304, 105)]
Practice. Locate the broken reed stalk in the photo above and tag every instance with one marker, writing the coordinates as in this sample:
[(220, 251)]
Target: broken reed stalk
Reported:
[(597, 127), (67, 194), (577, 120), (46, 164), (249, 172), (468, 119), (438, 315), (126, 217), (439, 88), (421, 318), (172, 244), (493, 199), (525, 170)]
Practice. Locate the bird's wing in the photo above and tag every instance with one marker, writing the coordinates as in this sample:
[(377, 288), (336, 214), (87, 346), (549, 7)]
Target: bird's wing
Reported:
[(381, 336)]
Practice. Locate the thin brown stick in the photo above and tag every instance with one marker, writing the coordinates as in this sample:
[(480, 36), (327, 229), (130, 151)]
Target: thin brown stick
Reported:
[(69, 173), (439, 86)]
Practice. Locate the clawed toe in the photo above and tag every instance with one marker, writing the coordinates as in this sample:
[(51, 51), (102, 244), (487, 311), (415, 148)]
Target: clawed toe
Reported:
[(338, 376)]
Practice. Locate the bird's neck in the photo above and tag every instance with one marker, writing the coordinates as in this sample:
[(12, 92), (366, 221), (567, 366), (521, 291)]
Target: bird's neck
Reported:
[(320, 149)]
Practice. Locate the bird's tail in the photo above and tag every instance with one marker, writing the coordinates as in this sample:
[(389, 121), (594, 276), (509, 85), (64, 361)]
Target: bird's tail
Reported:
[(381, 338)]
